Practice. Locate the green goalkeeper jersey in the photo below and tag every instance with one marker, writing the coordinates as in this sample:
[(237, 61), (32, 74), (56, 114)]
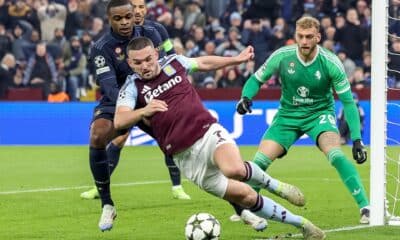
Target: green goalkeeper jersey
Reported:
[(306, 87)]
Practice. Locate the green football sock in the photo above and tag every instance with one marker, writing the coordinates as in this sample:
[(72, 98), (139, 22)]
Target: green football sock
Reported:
[(263, 162), (349, 176)]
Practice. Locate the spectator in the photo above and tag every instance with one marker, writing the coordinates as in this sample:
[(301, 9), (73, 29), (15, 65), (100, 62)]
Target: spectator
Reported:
[(239, 6), (262, 9), (215, 9), (192, 50), (329, 44), (209, 83), (22, 33), (394, 62), (177, 31), (97, 8), (357, 80), (362, 11), (352, 36), (51, 16), (394, 12), (58, 45), (159, 12), (249, 69), (19, 10), (257, 34), (199, 37), (219, 35), (367, 65), (56, 94), (235, 20), (209, 49), (7, 71), (97, 29), (75, 66), (74, 19), (232, 46), (349, 65), (5, 41), (332, 8), (193, 16), (4, 17), (231, 79), (86, 44), (41, 70)]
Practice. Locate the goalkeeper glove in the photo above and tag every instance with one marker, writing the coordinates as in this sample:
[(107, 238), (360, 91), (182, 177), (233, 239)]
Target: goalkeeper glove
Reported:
[(359, 152), (244, 106)]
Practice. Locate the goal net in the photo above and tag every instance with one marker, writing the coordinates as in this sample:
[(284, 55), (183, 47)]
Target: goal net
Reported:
[(385, 120)]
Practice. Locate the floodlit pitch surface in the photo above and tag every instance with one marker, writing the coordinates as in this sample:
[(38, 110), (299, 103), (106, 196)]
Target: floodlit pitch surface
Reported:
[(40, 187)]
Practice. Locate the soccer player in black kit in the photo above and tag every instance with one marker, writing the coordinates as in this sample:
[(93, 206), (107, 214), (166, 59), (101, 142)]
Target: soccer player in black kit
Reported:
[(108, 56)]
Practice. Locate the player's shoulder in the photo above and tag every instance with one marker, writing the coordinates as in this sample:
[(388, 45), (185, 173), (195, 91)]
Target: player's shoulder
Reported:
[(102, 41), (168, 59), (285, 51), (329, 57), (130, 79), (153, 24)]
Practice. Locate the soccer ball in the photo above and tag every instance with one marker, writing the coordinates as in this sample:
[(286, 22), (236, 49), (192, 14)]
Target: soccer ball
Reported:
[(202, 226)]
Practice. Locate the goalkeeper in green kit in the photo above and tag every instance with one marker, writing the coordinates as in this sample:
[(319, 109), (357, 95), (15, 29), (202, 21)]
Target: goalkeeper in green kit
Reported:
[(308, 75)]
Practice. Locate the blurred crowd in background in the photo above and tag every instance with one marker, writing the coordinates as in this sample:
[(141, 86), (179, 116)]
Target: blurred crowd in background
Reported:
[(45, 44)]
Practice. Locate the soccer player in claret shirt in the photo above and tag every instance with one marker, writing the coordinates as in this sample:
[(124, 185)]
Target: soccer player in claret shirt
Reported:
[(308, 74), (109, 59), (160, 94)]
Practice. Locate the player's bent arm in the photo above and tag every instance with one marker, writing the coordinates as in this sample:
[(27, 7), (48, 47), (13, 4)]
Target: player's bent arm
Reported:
[(351, 114), (125, 117), (251, 87)]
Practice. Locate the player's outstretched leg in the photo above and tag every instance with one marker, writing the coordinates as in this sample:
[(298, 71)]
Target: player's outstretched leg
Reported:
[(175, 175), (350, 177), (260, 179), (267, 208), (107, 218), (264, 207)]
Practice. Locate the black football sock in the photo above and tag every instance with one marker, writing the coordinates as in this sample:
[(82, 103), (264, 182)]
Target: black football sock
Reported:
[(238, 209), (113, 153), (174, 172), (101, 174)]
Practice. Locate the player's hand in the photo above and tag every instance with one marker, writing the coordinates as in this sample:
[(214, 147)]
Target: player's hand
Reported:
[(244, 106), (246, 55), (154, 106), (359, 152)]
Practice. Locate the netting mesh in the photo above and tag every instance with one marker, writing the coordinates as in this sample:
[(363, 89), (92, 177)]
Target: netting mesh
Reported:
[(392, 153)]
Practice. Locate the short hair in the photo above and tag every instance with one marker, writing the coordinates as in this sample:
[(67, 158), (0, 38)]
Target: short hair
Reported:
[(117, 3), (139, 43), (308, 22)]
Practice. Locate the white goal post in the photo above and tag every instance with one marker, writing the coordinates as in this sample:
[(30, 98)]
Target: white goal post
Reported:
[(378, 111)]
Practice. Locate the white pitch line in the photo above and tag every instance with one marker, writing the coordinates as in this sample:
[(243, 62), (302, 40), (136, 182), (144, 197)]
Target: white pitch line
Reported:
[(82, 187), (341, 229), (54, 189)]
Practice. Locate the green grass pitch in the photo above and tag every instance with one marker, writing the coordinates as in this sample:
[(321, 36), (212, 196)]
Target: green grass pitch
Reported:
[(40, 187)]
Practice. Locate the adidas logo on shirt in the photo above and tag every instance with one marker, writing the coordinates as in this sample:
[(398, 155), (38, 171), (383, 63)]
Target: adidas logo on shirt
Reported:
[(145, 89)]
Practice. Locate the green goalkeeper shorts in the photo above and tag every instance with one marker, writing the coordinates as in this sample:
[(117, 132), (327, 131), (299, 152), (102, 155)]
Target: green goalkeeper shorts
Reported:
[(285, 130)]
